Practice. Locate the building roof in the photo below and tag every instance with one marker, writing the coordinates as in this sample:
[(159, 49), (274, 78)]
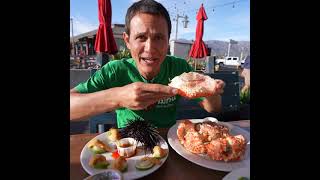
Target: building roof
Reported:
[(182, 41), (86, 34), (117, 30)]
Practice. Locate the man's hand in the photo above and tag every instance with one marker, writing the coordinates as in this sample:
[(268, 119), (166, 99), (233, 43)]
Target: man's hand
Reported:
[(218, 90), (139, 95), (213, 103)]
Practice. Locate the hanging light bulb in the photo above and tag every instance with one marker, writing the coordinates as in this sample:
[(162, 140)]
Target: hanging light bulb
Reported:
[(233, 5)]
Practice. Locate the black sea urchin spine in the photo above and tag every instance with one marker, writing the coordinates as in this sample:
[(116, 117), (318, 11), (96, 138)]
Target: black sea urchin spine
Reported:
[(142, 131)]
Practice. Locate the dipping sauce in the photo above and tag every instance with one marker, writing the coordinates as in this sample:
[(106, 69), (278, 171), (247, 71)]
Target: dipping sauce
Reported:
[(125, 145)]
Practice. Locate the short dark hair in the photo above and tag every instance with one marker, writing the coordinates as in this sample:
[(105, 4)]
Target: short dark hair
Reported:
[(149, 7)]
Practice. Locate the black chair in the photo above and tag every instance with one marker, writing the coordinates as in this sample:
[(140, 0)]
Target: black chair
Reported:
[(102, 122), (231, 95)]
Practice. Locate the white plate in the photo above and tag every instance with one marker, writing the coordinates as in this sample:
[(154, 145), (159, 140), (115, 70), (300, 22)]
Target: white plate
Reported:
[(132, 172), (237, 173), (205, 161)]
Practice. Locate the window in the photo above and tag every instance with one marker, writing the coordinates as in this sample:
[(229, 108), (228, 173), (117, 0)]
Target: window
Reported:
[(229, 59), (234, 58)]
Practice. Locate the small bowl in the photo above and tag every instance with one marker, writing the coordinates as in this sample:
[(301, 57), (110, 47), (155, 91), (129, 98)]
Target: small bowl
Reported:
[(126, 147), (111, 174)]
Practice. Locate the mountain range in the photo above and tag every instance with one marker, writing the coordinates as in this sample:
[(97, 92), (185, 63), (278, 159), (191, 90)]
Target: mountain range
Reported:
[(220, 48)]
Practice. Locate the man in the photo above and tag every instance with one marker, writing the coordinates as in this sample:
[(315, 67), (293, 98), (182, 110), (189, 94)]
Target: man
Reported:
[(246, 74), (137, 87)]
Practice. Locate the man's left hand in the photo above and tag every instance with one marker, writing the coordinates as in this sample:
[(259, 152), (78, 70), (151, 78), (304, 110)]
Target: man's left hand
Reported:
[(218, 90)]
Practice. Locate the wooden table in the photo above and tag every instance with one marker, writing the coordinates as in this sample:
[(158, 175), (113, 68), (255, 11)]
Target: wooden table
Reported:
[(175, 167)]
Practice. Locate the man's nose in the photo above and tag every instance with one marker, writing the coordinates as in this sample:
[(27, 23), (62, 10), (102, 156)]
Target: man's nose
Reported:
[(149, 45)]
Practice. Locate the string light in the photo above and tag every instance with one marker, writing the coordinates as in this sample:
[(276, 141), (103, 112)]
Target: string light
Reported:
[(174, 10), (228, 3), (220, 5)]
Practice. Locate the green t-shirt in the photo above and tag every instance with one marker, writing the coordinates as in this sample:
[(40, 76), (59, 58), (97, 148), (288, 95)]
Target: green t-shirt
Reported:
[(122, 72)]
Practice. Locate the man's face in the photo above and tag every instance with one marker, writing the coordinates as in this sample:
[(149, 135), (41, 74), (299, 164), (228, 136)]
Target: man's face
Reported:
[(148, 43)]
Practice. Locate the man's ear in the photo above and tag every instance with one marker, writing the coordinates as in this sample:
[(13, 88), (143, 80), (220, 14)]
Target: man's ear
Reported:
[(126, 39)]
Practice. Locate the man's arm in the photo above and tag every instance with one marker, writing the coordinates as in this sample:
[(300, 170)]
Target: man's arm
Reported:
[(83, 106), (134, 96)]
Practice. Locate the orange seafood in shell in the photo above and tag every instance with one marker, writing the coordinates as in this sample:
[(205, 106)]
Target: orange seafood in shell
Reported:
[(212, 139), (183, 128), (231, 148), (193, 85)]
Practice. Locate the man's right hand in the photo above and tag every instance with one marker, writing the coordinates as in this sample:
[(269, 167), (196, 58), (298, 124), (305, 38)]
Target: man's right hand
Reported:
[(139, 95)]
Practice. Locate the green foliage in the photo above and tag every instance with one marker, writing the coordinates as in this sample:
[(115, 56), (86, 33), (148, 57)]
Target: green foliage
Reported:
[(199, 64), (124, 53), (245, 97), (190, 62)]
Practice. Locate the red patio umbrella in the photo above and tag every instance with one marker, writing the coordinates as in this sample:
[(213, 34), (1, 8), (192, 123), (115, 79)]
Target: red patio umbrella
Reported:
[(105, 42), (198, 49)]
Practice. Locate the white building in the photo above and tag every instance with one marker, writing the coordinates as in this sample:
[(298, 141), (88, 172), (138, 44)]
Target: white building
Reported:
[(180, 48)]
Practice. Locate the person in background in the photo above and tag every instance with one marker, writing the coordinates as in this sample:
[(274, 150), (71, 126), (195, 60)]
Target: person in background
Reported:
[(246, 74)]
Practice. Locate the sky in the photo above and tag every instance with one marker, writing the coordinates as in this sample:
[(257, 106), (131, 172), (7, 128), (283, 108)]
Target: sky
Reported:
[(226, 20)]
